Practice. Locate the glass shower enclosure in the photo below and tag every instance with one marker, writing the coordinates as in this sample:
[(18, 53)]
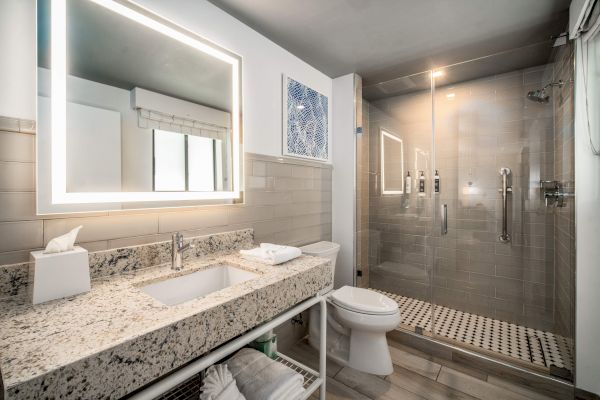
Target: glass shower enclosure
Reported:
[(465, 211)]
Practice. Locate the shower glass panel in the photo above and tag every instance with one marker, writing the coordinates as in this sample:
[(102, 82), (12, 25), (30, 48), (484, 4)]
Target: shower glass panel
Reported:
[(478, 249), (494, 272), (399, 131)]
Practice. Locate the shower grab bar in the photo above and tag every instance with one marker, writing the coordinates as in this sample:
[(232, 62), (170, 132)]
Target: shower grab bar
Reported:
[(444, 211), (505, 190)]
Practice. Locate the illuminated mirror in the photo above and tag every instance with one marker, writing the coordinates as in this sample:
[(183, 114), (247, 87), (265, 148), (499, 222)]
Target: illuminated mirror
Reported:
[(133, 111), (392, 163)]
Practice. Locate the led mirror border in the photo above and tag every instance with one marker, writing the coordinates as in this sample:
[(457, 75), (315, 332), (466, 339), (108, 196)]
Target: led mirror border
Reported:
[(58, 108)]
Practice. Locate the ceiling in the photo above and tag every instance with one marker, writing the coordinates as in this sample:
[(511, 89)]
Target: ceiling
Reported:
[(384, 39), (108, 48)]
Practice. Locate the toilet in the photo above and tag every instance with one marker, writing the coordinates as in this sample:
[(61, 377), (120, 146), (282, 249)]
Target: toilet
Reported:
[(357, 322)]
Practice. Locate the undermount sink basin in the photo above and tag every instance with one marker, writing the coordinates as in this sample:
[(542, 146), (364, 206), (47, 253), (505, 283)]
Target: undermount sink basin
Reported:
[(197, 284)]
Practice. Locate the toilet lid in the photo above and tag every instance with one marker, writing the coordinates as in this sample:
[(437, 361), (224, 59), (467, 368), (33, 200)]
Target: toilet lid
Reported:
[(364, 301)]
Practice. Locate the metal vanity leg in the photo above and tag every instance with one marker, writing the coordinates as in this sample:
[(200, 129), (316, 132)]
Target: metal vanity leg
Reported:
[(323, 349)]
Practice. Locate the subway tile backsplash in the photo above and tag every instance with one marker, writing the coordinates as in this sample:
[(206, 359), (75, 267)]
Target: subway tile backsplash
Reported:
[(287, 201)]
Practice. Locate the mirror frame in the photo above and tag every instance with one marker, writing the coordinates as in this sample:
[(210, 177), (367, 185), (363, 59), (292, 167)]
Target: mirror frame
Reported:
[(58, 101)]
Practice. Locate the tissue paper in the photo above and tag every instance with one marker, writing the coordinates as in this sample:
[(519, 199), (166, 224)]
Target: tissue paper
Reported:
[(62, 243)]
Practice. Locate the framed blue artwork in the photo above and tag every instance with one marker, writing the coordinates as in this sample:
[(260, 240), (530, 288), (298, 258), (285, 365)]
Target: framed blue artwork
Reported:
[(305, 120)]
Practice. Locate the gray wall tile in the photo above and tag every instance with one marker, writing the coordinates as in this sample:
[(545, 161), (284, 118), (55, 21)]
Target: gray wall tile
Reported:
[(21, 235), (17, 176)]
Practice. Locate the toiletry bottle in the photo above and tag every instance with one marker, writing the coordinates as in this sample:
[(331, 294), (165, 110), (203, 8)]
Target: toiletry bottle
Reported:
[(436, 184), (408, 184), (422, 182)]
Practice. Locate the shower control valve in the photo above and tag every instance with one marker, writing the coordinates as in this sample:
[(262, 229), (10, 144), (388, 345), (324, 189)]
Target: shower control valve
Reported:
[(553, 193)]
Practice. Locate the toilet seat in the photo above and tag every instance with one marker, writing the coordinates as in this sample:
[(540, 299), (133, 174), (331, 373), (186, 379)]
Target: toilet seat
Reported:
[(364, 301)]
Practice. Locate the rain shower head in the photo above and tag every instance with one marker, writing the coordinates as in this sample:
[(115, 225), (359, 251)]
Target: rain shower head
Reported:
[(540, 96)]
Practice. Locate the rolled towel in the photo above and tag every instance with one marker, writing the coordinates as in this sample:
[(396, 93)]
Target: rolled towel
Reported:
[(260, 378), (218, 384), (272, 254)]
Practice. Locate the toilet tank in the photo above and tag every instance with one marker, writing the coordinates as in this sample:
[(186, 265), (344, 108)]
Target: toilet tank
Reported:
[(323, 249)]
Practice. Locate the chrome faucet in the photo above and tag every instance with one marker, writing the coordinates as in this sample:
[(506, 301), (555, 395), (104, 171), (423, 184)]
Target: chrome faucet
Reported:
[(177, 249)]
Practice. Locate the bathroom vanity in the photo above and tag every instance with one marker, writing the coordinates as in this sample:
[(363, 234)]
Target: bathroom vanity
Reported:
[(120, 128), (118, 338)]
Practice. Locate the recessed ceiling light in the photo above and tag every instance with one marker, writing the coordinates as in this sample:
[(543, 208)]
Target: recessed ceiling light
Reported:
[(451, 95), (437, 74)]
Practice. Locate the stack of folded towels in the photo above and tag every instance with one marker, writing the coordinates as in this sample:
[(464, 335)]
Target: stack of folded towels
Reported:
[(272, 254), (251, 375)]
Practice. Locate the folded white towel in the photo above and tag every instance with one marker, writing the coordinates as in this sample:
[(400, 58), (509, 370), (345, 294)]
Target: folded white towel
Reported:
[(260, 378), (218, 384), (294, 392), (272, 254), (231, 392)]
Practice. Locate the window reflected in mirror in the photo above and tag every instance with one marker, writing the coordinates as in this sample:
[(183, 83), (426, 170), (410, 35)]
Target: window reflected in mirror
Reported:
[(187, 163)]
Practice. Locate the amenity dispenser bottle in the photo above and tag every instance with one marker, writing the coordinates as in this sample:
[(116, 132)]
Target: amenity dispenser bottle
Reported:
[(436, 184), (408, 184), (422, 184)]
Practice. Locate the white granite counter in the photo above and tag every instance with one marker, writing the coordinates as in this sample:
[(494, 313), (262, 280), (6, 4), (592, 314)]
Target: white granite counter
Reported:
[(115, 339)]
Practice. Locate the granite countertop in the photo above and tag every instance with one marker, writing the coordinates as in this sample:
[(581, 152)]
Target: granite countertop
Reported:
[(114, 339)]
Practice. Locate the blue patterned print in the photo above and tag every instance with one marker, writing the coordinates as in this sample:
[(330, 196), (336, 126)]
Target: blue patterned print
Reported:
[(307, 126)]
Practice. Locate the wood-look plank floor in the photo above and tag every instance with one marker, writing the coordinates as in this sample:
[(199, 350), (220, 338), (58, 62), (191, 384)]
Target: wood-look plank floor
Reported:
[(416, 377)]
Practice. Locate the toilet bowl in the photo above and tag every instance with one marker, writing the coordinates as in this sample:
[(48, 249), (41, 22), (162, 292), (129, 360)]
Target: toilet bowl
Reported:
[(357, 321)]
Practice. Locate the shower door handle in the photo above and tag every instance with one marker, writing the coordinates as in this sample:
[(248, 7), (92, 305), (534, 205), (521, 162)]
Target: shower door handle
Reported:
[(444, 212)]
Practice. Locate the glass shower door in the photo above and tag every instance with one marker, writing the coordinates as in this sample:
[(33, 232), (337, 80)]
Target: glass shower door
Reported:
[(469, 248), (493, 281), (397, 119)]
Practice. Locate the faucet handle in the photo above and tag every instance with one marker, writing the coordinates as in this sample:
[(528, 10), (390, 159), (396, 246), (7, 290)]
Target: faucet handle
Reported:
[(177, 240)]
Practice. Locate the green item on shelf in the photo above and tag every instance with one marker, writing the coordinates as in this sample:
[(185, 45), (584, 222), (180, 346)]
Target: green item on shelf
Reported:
[(266, 345)]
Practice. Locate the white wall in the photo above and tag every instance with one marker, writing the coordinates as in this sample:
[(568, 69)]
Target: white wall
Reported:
[(17, 60), (343, 178), (587, 220), (263, 64), (135, 159), (93, 147)]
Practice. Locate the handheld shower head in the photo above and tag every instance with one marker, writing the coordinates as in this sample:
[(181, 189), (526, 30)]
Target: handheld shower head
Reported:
[(540, 96)]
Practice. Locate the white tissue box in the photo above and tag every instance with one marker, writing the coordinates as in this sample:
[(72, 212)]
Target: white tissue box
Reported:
[(57, 275)]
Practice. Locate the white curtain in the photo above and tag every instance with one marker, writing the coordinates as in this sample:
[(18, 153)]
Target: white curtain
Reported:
[(587, 206), (149, 119), (588, 72)]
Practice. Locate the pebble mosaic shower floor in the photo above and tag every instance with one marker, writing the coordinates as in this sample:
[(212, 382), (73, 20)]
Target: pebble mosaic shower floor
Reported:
[(541, 350)]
